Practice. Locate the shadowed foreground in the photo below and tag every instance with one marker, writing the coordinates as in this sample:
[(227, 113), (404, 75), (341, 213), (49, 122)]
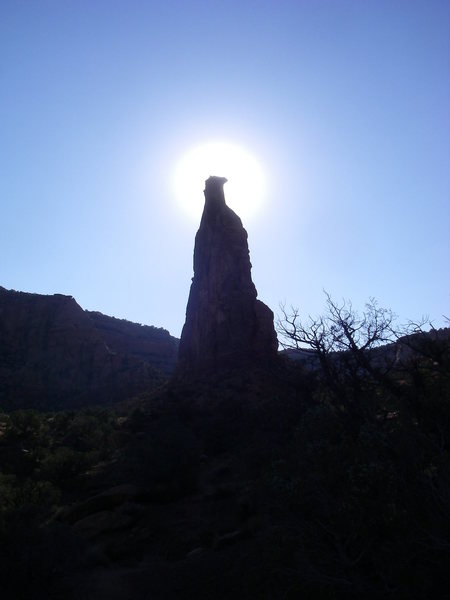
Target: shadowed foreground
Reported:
[(250, 487)]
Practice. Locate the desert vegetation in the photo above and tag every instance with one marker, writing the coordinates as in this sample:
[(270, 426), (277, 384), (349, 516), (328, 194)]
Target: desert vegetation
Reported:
[(325, 480)]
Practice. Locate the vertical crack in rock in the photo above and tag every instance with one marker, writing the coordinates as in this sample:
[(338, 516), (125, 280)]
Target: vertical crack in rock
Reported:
[(226, 325)]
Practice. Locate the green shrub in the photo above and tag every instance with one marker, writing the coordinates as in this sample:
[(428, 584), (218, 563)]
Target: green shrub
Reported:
[(63, 464)]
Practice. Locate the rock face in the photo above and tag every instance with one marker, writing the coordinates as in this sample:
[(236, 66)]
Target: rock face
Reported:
[(226, 325), (55, 355)]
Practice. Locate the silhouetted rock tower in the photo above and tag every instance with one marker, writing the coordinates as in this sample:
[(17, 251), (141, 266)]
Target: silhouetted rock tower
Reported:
[(226, 325)]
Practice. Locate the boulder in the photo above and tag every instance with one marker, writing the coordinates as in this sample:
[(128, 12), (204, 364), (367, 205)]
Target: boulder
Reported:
[(106, 501), (100, 523)]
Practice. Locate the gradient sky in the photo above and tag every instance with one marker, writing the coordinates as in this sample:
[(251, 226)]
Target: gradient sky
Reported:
[(344, 103)]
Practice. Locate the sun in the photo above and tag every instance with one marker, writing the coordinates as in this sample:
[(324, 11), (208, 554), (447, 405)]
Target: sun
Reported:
[(246, 186)]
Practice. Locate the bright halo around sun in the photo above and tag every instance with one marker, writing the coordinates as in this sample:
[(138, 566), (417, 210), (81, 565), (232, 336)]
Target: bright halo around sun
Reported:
[(244, 191)]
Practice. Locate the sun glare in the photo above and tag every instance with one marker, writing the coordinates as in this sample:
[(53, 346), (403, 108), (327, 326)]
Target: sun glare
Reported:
[(244, 191)]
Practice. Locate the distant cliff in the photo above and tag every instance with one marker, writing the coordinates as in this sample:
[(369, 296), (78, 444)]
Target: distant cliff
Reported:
[(54, 354)]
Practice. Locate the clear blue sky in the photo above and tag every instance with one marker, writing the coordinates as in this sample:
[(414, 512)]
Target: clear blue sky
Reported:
[(345, 103)]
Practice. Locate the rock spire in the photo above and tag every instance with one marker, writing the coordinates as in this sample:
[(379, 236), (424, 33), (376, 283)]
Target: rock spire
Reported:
[(226, 325)]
